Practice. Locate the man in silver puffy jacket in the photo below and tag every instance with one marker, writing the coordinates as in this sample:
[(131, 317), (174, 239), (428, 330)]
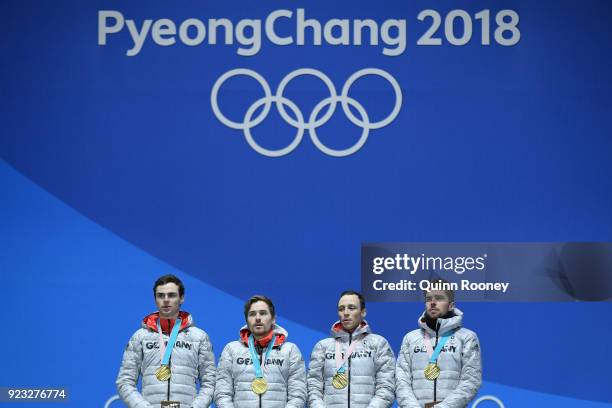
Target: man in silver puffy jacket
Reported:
[(261, 369), (190, 360), (439, 363), (354, 367)]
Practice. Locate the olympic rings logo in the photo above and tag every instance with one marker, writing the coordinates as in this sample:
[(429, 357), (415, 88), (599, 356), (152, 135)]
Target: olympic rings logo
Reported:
[(314, 121)]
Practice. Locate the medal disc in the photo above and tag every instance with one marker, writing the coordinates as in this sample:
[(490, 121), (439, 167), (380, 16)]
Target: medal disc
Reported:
[(432, 371), (163, 373), (259, 386), (340, 381)]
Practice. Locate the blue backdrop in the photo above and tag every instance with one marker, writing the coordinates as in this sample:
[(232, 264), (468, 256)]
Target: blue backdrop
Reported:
[(115, 170)]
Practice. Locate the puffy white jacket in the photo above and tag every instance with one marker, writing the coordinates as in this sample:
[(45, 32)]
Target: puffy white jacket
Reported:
[(370, 371), (459, 362), (192, 361), (284, 372)]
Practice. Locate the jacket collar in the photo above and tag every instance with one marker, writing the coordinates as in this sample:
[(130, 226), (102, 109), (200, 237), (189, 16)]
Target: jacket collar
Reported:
[(150, 321), (280, 335), (338, 332), (445, 325)]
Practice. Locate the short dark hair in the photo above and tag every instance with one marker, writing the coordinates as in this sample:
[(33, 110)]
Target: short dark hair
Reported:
[(258, 298), (450, 294), (353, 292), (169, 279)]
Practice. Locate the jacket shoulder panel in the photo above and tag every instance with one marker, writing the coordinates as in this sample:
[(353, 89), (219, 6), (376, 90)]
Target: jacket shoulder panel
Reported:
[(466, 332), (289, 346), (412, 336), (140, 334), (376, 339)]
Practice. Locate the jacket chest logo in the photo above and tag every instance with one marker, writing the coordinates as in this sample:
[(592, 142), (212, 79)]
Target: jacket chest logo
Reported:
[(446, 349), (355, 354), (150, 345), (270, 361)]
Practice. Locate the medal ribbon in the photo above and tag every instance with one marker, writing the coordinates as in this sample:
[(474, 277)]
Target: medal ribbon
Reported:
[(166, 351), (433, 355), (340, 363), (162, 345), (256, 363)]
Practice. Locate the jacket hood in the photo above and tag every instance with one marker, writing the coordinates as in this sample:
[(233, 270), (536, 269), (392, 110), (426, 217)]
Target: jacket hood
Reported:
[(338, 332), (280, 335), (150, 321), (445, 325)]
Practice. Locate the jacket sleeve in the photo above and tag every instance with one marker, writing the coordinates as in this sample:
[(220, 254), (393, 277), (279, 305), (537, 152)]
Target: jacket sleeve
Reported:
[(129, 373), (384, 364), (296, 383), (206, 374), (471, 375), (315, 380), (224, 384), (403, 378)]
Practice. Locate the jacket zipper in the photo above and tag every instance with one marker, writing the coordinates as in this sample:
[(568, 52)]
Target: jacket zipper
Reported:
[(168, 399), (169, 361), (261, 365), (349, 372), (436, 380)]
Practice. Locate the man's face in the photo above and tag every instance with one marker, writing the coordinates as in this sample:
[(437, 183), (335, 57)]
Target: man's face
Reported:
[(259, 319), (437, 304), (350, 313), (168, 300)]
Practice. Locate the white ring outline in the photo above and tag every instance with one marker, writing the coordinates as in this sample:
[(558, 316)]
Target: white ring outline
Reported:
[(499, 403), (215, 105), (285, 150), (316, 73), (394, 84), (350, 150), (111, 400)]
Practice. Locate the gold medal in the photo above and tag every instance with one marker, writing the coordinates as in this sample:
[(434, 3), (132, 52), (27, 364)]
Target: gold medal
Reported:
[(432, 371), (163, 373), (259, 386), (340, 381)]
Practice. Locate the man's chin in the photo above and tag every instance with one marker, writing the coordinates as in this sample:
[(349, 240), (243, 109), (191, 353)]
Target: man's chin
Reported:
[(257, 331)]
